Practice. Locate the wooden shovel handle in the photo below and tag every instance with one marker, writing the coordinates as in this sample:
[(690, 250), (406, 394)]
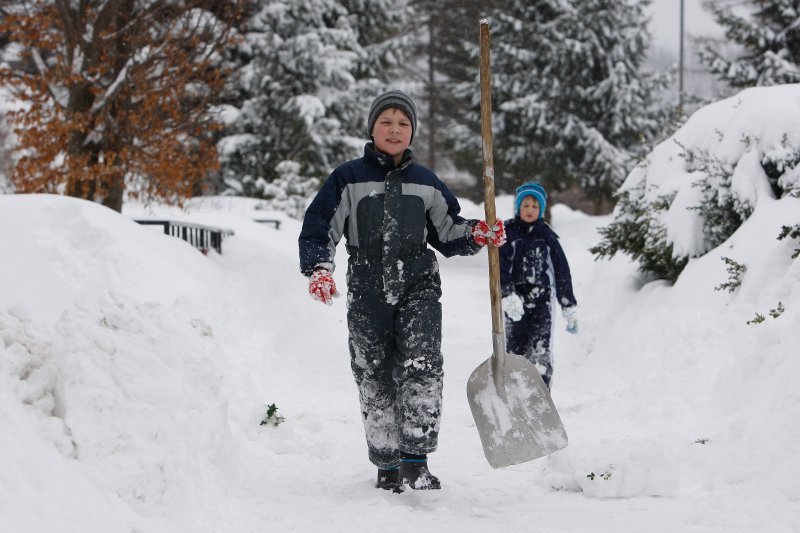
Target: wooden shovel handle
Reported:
[(488, 176)]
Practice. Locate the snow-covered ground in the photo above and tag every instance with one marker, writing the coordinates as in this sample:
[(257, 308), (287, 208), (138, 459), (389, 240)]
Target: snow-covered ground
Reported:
[(135, 372)]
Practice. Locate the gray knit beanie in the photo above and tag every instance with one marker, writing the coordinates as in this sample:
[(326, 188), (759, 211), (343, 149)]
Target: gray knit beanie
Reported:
[(389, 99)]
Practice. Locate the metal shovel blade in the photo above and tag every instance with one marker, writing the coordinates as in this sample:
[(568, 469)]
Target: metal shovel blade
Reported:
[(515, 416)]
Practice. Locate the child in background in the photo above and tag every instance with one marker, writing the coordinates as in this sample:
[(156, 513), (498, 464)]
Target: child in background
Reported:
[(390, 209), (534, 276)]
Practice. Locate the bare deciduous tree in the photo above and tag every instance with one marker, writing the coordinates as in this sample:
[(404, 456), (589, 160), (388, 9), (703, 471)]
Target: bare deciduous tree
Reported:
[(115, 94)]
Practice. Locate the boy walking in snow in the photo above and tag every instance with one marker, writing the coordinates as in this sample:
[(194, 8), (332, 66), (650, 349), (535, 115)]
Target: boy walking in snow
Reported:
[(389, 209), (534, 275)]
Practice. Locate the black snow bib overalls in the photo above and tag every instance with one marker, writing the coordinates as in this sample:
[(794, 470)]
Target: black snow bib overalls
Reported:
[(395, 320)]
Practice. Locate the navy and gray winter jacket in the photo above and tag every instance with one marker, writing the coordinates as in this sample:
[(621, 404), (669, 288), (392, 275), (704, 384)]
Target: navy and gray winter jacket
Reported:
[(532, 258), (350, 204)]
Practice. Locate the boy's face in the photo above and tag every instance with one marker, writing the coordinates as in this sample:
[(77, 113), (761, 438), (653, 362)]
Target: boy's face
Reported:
[(529, 209), (392, 133)]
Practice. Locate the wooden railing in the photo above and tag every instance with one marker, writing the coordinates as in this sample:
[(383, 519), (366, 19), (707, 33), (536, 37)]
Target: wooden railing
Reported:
[(201, 237)]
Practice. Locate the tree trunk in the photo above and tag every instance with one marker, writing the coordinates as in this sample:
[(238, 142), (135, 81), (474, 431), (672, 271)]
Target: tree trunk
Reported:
[(114, 193), (432, 110), (80, 101)]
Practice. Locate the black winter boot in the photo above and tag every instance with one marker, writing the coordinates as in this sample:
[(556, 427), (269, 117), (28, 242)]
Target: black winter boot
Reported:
[(414, 472), (389, 479)]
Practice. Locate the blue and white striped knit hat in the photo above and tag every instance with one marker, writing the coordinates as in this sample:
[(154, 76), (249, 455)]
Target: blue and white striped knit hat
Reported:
[(531, 189)]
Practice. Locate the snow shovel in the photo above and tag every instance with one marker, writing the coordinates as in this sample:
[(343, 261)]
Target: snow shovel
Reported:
[(515, 416)]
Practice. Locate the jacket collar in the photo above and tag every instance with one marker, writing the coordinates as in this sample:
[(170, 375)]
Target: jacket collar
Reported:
[(384, 160), (528, 226)]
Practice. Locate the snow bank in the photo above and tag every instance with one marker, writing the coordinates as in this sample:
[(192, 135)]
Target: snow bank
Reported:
[(60, 248), (114, 383), (134, 373), (756, 127)]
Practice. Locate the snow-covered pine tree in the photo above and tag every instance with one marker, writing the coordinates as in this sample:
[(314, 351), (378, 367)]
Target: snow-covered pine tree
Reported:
[(302, 57), (288, 192), (443, 30), (303, 53), (768, 32), (574, 106), (311, 75), (382, 29), (450, 46)]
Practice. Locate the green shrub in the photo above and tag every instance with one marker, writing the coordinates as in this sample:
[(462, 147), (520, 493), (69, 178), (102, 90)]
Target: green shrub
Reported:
[(735, 271), (721, 210), (637, 233), (793, 232)]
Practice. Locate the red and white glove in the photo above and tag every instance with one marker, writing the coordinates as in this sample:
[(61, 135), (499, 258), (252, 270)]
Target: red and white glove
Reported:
[(321, 286), (483, 234)]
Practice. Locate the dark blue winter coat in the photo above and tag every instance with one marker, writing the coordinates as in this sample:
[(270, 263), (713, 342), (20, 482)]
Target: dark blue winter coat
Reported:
[(350, 205), (532, 261)]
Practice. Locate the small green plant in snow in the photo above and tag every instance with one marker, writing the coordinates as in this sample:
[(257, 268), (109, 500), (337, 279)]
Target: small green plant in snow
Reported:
[(605, 475), (778, 311), (774, 313), (272, 418), (735, 271), (792, 232)]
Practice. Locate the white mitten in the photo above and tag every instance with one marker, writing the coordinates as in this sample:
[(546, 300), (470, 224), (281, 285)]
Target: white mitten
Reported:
[(513, 306), (571, 316)]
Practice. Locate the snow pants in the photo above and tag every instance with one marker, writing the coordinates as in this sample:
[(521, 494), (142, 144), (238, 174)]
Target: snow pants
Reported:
[(395, 352), (532, 335)]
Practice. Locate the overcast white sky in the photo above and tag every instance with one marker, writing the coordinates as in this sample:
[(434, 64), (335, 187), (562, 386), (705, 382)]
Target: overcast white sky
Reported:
[(665, 22)]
